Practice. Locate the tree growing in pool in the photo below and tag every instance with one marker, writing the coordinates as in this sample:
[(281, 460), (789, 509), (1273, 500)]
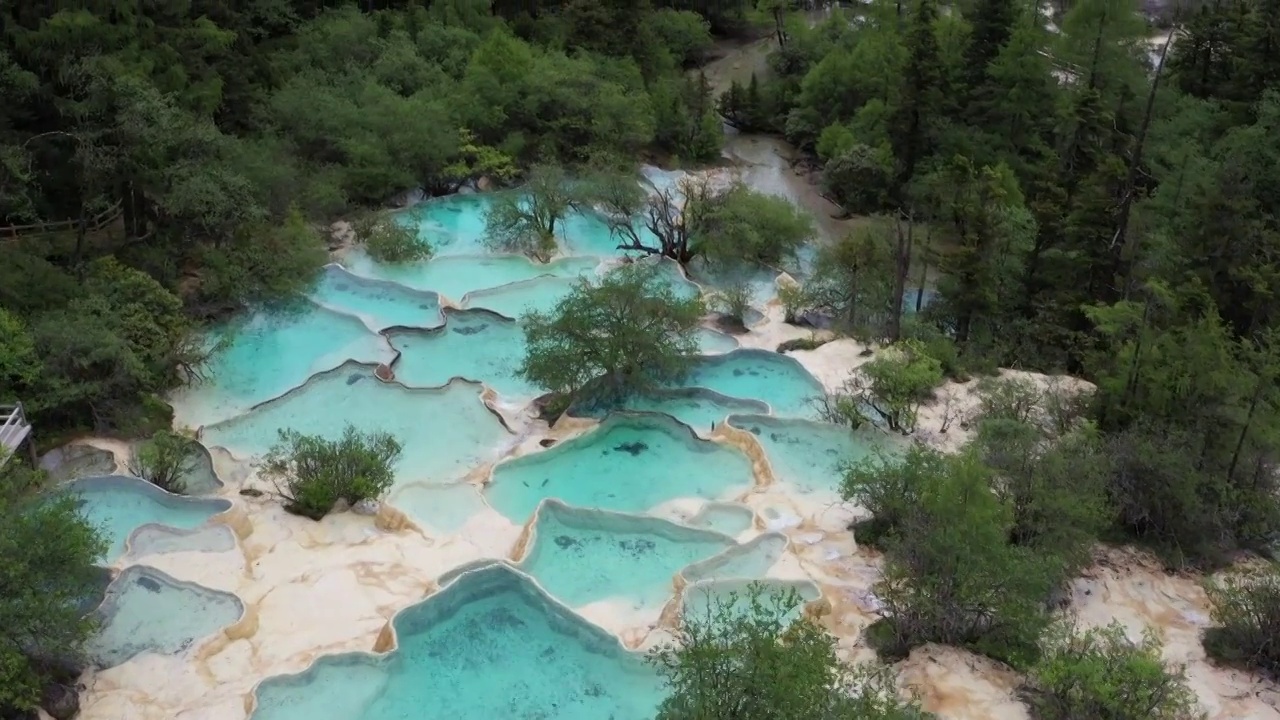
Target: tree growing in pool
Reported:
[(628, 332), (744, 658), (730, 226), (312, 473), (47, 579), (525, 222)]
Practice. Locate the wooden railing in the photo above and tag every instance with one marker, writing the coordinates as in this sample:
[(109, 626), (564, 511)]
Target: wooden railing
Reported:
[(94, 224), (14, 430)]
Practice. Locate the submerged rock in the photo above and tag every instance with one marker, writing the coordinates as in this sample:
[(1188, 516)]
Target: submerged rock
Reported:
[(384, 373)]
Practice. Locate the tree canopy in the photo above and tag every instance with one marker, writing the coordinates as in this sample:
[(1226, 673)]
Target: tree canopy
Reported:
[(625, 333)]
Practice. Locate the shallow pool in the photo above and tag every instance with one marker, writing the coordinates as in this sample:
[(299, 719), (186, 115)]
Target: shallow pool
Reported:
[(455, 276), (629, 463), (145, 610), (446, 432), (488, 646), (581, 556), (120, 505), (266, 354), (698, 408), (540, 294), (778, 380), (473, 344), (380, 304), (809, 455)]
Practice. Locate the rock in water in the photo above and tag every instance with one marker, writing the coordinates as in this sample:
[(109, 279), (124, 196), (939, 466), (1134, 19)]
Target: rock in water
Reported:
[(384, 373), (365, 507)]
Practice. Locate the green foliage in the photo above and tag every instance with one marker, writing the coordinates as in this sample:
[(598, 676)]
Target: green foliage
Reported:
[(1100, 673), (687, 125), (889, 488), (526, 222), (628, 332), (49, 572), (733, 302), (1056, 487), (745, 657), (745, 226), (952, 577), (809, 343), (1246, 620), (852, 281), (895, 383), (165, 460), (855, 177), (311, 473), (390, 242)]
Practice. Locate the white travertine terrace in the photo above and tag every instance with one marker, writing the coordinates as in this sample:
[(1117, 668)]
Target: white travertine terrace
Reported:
[(312, 589)]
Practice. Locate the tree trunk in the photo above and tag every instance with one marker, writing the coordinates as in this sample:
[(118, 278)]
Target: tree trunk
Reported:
[(902, 264), (924, 267), (1129, 255)]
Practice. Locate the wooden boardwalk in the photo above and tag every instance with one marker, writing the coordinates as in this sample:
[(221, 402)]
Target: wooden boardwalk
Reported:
[(15, 430)]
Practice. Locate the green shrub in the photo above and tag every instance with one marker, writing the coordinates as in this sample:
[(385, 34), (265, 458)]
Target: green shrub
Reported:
[(312, 474), (749, 657), (165, 460), (896, 383), (888, 487), (809, 343), (1101, 674), (1246, 616), (950, 574), (794, 301), (733, 302), (390, 242)]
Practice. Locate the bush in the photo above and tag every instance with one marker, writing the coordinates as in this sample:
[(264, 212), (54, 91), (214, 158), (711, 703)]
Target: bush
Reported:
[(952, 577), (1056, 489), (794, 301), (1246, 616), (165, 460), (390, 242), (888, 488), (809, 343), (50, 550), (312, 474), (733, 302), (895, 384), (1101, 674), (744, 658)]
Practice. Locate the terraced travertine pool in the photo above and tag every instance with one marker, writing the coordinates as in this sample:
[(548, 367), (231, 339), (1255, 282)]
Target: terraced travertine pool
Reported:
[(642, 509)]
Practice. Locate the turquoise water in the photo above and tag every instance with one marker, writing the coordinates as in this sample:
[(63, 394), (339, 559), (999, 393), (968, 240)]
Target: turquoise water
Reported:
[(446, 432), (455, 276), (266, 355), (727, 518), (808, 455), (749, 560), (628, 463), (699, 409), (145, 610), (160, 539), (778, 380), (712, 342), (582, 556), (537, 295), (476, 345), (706, 599), (379, 303), (488, 646), (453, 225), (119, 505), (439, 509)]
